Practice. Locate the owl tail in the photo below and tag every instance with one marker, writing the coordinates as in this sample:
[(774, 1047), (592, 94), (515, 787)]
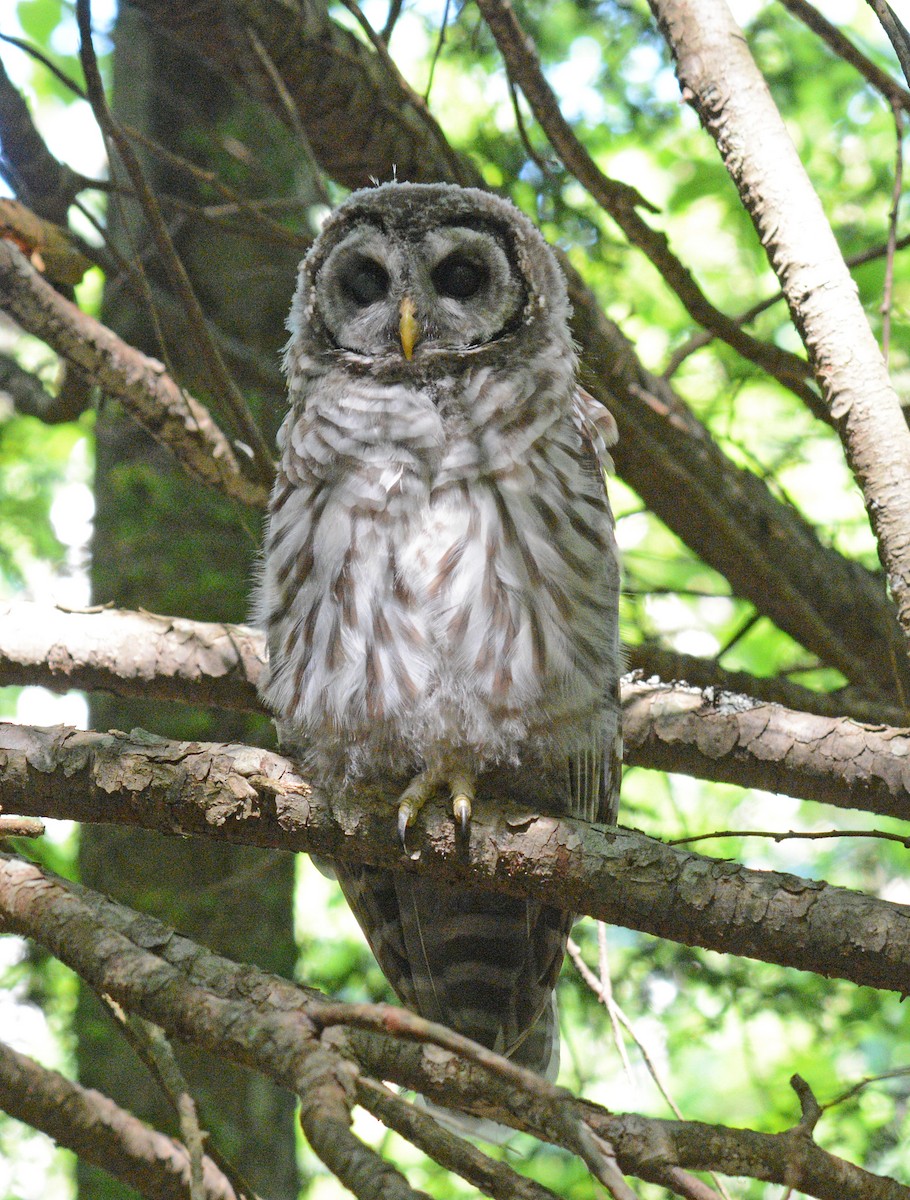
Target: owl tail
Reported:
[(479, 962), (543, 1039)]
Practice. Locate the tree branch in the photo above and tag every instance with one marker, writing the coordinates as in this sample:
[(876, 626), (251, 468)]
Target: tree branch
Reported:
[(650, 659), (46, 185), (620, 202), (254, 797), (890, 88), (140, 383), (897, 33), (732, 738), (708, 731), (100, 1132), (285, 1049), (131, 654), (492, 1178), (269, 1024), (719, 77)]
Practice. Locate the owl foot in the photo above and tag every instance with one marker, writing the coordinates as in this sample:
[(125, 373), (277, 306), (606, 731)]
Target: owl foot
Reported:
[(421, 788)]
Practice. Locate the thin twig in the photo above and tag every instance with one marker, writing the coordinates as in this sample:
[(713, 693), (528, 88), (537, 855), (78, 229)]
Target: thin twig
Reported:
[(153, 1048), (778, 836), (679, 1181), (451, 157), (705, 336), (897, 34), (437, 51), (391, 20), (605, 995), (897, 1073), (542, 165), (41, 57), (250, 208), (291, 111)]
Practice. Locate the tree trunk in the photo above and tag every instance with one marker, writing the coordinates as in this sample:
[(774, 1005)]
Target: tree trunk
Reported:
[(162, 542)]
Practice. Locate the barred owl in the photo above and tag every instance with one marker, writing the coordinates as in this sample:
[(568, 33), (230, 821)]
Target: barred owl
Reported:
[(440, 580)]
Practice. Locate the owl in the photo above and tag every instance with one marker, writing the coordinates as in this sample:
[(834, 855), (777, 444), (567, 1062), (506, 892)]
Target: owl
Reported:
[(440, 583)]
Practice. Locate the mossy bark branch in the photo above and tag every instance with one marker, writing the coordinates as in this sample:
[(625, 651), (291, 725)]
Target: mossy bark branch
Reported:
[(245, 795), (239, 1012), (100, 1131), (719, 78), (140, 383)]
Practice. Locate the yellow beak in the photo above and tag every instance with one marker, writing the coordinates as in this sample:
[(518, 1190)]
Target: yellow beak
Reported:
[(408, 327)]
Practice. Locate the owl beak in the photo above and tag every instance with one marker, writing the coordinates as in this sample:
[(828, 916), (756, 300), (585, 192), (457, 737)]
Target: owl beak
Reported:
[(408, 327)]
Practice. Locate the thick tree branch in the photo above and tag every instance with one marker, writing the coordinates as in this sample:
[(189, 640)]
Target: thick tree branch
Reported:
[(140, 383), (720, 78), (649, 659), (735, 739), (284, 1047), (196, 662), (768, 552), (101, 1132), (131, 654), (713, 733), (271, 1025), (254, 797)]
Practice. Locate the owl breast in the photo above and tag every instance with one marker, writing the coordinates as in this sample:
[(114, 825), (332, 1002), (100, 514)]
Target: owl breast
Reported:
[(423, 588)]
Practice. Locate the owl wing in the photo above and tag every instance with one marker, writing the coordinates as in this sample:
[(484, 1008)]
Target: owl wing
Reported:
[(594, 774)]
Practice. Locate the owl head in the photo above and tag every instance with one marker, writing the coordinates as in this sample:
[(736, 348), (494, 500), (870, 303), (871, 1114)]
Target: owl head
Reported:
[(406, 276)]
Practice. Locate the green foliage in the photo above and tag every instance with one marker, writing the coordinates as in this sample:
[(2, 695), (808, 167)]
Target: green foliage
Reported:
[(33, 463)]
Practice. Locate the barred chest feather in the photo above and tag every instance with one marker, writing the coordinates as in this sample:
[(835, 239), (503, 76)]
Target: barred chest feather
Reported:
[(439, 570)]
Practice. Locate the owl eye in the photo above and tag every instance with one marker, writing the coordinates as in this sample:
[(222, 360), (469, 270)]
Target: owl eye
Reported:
[(459, 277), (365, 281)]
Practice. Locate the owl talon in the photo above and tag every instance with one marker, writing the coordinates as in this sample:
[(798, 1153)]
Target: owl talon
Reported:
[(405, 815), (461, 810), (412, 800), (462, 793)]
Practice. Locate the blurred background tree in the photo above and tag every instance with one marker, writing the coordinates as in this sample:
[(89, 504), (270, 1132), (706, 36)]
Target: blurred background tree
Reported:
[(746, 545)]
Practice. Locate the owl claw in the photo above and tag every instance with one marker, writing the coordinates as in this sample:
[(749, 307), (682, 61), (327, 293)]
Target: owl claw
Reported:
[(404, 815), (412, 800), (462, 793), (461, 810)]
